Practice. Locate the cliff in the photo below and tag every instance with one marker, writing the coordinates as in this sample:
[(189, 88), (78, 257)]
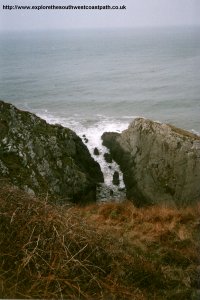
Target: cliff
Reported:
[(45, 159), (160, 163)]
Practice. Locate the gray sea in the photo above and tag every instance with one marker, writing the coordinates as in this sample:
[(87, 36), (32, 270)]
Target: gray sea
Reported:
[(99, 80)]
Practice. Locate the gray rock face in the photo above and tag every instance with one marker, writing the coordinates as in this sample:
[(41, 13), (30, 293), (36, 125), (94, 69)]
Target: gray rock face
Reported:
[(160, 163), (42, 158)]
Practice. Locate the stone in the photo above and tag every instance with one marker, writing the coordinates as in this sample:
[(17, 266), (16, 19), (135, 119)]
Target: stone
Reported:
[(160, 163), (116, 178), (111, 192), (45, 159), (107, 157), (96, 151), (86, 140)]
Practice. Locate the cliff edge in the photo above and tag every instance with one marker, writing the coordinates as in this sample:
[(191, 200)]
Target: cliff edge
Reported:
[(160, 163), (45, 159)]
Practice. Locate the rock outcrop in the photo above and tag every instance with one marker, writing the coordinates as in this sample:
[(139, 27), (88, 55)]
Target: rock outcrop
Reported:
[(115, 180), (45, 159), (108, 158), (96, 151), (160, 163)]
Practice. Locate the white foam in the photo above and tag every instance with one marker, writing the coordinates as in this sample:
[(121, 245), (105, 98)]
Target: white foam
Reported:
[(93, 134), (91, 131), (195, 132)]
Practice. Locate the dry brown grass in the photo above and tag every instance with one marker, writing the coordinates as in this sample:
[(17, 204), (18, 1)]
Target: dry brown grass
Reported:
[(108, 251), (184, 132)]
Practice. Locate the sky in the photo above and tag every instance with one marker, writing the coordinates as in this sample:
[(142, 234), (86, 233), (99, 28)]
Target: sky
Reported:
[(138, 13)]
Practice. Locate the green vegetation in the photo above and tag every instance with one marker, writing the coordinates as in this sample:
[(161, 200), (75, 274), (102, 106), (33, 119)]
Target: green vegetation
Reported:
[(107, 251)]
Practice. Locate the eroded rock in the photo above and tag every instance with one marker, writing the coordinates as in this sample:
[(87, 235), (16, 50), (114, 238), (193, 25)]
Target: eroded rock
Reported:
[(108, 157), (45, 159), (116, 178), (160, 163), (96, 151)]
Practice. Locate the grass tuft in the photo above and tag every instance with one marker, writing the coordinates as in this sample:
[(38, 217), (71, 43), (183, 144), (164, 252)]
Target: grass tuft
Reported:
[(108, 251)]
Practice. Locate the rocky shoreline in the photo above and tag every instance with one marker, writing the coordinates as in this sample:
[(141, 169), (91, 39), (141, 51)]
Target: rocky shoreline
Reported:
[(160, 163)]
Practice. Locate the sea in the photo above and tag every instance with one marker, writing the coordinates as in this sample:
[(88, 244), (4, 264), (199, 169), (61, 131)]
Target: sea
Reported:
[(98, 80)]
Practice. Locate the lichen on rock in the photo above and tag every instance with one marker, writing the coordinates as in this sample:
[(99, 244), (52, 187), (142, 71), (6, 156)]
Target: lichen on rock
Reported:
[(160, 163), (44, 158)]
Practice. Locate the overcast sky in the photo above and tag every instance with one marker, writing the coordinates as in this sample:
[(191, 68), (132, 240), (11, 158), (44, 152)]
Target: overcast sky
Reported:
[(137, 13)]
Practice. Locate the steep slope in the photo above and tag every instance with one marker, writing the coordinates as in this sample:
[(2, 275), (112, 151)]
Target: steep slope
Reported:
[(160, 163), (45, 159)]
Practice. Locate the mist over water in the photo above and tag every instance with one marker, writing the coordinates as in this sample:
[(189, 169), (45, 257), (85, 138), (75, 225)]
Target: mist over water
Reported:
[(94, 81)]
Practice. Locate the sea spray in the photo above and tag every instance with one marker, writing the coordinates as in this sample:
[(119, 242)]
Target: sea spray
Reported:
[(91, 130)]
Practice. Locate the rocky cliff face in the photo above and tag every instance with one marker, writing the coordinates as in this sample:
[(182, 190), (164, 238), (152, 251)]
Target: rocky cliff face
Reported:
[(45, 159), (160, 163)]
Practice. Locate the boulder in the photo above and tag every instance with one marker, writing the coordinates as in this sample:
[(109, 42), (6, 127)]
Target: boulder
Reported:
[(160, 163), (115, 180), (108, 157), (96, 151), (45, 159)]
